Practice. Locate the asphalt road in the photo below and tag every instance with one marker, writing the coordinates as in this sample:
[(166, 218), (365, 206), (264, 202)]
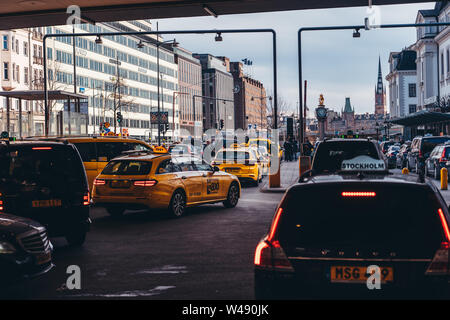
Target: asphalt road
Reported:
[(207, 254)]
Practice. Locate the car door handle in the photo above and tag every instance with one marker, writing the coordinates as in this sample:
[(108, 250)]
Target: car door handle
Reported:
[(204, 175), (183, 177)]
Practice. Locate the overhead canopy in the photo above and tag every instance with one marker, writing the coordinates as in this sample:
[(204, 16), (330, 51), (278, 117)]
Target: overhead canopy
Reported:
[(421, 118), (35, 13), (39, 95)]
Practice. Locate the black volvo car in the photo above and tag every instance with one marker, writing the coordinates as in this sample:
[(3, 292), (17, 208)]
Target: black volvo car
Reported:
[(46, 182), (25, 250), (321, 249)]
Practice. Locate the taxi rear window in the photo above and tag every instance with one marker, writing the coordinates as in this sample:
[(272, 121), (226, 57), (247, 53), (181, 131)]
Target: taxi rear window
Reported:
[(128, 167), (233, 155), (329, 155), (377, 216)]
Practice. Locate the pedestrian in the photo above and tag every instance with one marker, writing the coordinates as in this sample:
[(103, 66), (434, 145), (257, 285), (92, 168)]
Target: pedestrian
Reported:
[(287, 150), (294, 144)]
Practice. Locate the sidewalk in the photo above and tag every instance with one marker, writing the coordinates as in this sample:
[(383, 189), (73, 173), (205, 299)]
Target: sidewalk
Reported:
[(289, 175), (445, 193)]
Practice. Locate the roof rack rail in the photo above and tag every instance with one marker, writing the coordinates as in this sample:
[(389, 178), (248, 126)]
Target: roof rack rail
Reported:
[(136, 152)]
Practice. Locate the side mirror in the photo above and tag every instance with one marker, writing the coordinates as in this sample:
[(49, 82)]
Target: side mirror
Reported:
[(216, 169)]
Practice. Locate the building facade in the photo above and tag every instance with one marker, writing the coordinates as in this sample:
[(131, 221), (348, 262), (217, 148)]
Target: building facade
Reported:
[(22, 69), (218, 96), (250, 100), (402, 83), (190, 91)]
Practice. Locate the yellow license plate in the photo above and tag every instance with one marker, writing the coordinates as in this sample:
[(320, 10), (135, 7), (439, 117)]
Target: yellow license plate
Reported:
[(46, 203), (43, 258), (358, 274)]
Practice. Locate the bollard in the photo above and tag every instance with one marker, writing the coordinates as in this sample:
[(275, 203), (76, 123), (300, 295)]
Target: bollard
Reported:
[(444, 179), (304, 164), (405, 171)]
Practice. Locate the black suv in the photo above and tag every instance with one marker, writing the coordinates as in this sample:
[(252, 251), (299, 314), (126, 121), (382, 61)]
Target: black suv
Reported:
[(439, 158), (331, 153), (25, 250), (421, 148), (327, 232), (46, 182)]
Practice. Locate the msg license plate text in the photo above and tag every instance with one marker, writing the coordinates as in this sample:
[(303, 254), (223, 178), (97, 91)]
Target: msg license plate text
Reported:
[(358, 274)]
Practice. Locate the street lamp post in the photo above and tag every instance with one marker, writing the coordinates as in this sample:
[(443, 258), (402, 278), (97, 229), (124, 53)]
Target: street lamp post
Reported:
[(204, 97), (173, 115), (174, 43), (261, 108)]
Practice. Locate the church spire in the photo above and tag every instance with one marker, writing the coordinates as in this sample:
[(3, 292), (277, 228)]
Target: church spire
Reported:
[(380, 88)]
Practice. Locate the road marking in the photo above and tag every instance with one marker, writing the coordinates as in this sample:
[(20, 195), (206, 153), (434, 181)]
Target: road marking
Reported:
[(127, 294), (168, 269)]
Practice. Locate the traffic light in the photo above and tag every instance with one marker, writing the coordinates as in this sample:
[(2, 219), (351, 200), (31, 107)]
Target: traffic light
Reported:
[(222, 124), (119, 117)]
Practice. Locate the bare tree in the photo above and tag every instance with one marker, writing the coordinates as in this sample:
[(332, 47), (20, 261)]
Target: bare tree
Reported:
[(283, 107), (121, 101), (54, 67)]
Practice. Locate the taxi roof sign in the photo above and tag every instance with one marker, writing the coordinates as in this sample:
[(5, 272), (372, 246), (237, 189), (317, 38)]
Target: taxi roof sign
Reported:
[(160, 149), (363, 163)]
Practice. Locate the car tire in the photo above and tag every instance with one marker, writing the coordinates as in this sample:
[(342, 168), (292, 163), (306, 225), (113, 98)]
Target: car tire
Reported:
[(177, 206), (256, 182), (426, 171), (76, 238), (436, 173), (115, 211), (232, 197)]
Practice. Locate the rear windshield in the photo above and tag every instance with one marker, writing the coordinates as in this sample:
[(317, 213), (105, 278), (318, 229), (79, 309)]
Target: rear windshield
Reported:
[(50, 166), (428, 144), (329, 155), (233, 155), (398, 217), (128, 167)]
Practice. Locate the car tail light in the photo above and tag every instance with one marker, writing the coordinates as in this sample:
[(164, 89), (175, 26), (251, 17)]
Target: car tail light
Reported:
[(86, 199), (440, 263), (358, 194), (41, 148), (269, 254), (99, 182), (420, 154), (2, 207), (145, 183), (443, 158)]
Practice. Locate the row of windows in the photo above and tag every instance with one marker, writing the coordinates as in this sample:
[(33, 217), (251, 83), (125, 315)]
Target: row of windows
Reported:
[(37, 49), (122, 56), (128, 123), (65, 57), (86, 82)]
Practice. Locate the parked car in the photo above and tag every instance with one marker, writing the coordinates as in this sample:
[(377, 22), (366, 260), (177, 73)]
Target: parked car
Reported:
[(25, 250), (421, 148), (402, 155), (384, 146), (438, 159), (391, 156), (46, 182)]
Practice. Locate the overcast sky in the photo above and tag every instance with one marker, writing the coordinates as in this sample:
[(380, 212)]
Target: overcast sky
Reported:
[(334, 63)]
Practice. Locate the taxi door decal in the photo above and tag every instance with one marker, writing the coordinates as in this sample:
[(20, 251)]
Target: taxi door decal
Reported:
[(212, 186)]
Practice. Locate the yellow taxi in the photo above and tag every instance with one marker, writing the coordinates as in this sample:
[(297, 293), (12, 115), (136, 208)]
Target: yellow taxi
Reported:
[(240, 161), (162, 181), (266, 143), (96, 152)]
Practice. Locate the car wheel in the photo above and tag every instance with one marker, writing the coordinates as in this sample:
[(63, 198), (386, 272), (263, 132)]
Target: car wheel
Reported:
[(233, 196), (177, 205), (76, 238), (426, 171), (436, 174), (115, 211), (257, 181)]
